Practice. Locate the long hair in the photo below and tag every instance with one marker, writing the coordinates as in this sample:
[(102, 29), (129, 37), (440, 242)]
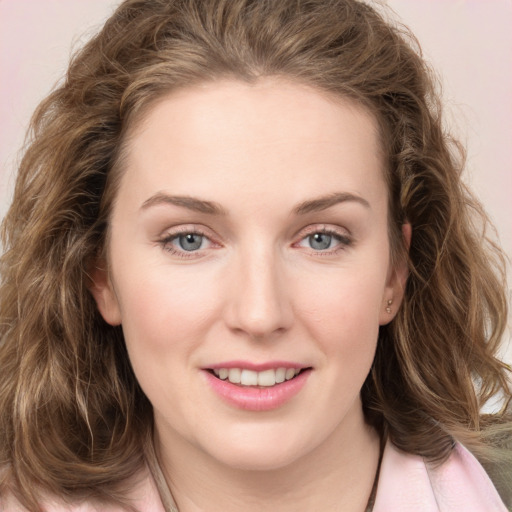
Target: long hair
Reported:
[(73, 420)]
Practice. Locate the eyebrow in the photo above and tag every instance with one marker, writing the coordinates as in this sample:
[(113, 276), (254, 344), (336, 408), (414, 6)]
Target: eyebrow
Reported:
[(212, 208), (324, 202), (191, 203)]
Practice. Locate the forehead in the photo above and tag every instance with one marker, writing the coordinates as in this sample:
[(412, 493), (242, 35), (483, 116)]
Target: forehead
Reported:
[(270, 134)]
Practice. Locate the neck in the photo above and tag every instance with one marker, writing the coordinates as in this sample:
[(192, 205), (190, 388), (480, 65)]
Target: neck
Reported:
[(336, 475)]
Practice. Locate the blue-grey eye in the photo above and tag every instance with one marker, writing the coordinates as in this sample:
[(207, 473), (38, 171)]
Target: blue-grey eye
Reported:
[(190, 241), (320, 241)]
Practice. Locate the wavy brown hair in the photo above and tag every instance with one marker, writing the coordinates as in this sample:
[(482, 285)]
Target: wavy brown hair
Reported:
[(73, 420)]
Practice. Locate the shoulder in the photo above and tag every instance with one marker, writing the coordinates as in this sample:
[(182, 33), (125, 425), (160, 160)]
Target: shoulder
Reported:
[(143, 497), (407, 482)]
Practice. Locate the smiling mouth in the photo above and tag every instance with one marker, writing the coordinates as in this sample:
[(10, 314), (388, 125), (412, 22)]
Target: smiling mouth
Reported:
[(265, 378)]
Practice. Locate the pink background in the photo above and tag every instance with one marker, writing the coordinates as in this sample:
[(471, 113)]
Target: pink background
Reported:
[(469, 42)]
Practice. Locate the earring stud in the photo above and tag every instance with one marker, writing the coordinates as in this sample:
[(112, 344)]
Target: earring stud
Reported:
[(388, 308)]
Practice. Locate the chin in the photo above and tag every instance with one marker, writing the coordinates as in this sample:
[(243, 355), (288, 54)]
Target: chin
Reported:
[(258, 460), (263, 451)]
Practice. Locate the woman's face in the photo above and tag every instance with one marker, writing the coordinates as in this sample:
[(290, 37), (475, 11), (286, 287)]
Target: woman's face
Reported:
[(249, 242)]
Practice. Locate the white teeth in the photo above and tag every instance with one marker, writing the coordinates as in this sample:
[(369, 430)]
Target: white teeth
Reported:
[(280, 375), (235, 375), (249, 378), (290, 373), (266, 378)]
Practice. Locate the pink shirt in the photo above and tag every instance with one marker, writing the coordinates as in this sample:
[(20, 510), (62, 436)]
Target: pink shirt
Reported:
[(406, 484)]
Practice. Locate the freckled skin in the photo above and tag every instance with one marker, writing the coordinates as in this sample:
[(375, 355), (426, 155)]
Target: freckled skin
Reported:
[(257, 290)]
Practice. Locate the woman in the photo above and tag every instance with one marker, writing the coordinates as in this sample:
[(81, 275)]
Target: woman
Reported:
[(241, 271)]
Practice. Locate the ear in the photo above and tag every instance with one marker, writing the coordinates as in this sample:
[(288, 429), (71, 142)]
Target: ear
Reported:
[(104, 294), (397, 279)]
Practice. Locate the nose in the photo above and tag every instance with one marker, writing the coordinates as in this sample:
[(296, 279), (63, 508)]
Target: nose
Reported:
[(259, 305)]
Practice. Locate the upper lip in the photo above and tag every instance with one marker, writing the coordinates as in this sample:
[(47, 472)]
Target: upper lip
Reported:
[(257, 367)]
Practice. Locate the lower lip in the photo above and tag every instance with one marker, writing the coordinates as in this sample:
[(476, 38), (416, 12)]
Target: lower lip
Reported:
[(257, 398)]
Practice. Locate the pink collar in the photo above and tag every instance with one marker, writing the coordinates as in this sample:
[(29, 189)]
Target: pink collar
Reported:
[(407, 483)]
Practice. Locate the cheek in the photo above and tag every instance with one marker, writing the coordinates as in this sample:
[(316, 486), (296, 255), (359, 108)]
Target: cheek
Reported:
[(341, 309), (162, 328), (340, 312), (165, 312)]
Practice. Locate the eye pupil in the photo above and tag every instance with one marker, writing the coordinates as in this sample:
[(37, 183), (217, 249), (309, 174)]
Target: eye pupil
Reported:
[(320, 241), (190, 241)]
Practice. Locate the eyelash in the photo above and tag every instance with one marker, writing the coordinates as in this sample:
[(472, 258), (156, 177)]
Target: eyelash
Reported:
[(166, 242), (344, 241)]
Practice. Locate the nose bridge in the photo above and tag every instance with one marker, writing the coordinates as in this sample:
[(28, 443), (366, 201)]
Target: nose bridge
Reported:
[(260, 304)]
